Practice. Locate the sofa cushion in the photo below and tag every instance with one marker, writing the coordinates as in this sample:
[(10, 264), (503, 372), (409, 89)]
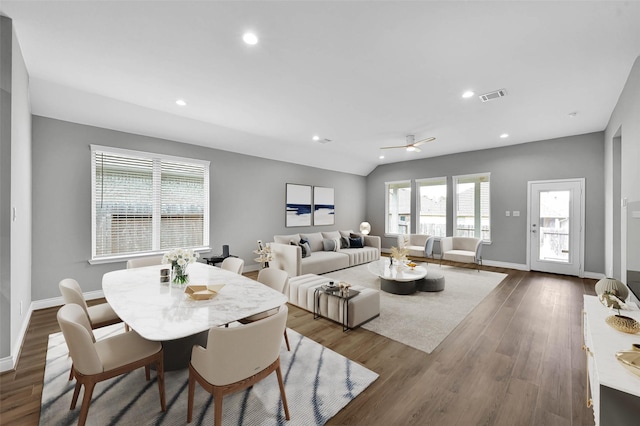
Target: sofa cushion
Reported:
[(315, 240), (324, 261), (358, 256), (346, 234), (464, 256), (331, 234), (286, 239)]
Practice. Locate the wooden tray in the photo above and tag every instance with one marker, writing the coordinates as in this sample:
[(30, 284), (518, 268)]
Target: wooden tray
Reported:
[(202, 292)]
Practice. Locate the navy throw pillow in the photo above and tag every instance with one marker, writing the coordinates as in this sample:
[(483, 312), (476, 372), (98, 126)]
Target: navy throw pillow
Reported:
[(355, 242)]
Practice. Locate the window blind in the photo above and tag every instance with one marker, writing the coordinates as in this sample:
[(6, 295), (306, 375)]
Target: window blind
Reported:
[(146, 202)]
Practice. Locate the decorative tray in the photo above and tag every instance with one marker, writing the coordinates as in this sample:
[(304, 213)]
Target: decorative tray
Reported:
[(202, 292), (630, 360), (330, 288)]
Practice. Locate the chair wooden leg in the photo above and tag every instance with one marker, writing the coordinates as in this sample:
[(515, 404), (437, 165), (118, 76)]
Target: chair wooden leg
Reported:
[(192, 388), (217, 406), (126, 327), (286, 340), (160, 374), (86, 400), (147, 372), (76, 392), (71, 373), (283, 395)]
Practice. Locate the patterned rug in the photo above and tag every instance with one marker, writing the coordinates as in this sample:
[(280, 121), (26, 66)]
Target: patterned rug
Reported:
[(423, 320), (318, 383)]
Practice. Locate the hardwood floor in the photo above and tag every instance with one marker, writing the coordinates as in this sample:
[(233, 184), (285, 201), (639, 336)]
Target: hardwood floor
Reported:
[(515, 360)]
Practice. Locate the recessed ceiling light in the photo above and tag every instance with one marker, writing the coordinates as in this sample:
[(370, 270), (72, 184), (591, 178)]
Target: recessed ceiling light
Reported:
[(181, 102), (467, 94), (250, 38), (316, 138), (504, 135)]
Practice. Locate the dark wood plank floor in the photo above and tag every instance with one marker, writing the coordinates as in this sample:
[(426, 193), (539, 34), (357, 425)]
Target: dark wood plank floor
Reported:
[(515, 360)]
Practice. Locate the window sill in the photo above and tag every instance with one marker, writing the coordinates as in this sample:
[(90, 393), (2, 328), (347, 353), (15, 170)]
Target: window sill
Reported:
[(124, 258)]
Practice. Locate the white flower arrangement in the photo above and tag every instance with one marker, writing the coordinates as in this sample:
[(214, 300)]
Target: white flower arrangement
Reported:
[(179, 259)]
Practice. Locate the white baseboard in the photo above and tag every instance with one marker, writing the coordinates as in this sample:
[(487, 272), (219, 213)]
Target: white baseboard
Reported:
[(594, 275), (9, 363), (509, 265), (58, 301)]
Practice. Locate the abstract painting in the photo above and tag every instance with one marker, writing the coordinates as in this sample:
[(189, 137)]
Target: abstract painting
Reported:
[(323, 206), (298, 210)]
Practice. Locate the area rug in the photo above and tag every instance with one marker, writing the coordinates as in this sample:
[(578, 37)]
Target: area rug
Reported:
[(318, 383), (424, 319)]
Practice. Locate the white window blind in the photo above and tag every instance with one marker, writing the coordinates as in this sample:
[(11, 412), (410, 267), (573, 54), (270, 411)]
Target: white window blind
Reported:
[(398, 207), (432, 206), (472, 206), (147, 203)]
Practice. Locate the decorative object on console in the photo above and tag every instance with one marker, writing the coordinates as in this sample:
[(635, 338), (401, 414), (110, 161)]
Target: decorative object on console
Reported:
[(323, 206), (264, 255), (613, 286), (623, 323), (298, 208), (630, 360), (179, 260), (365, 228)]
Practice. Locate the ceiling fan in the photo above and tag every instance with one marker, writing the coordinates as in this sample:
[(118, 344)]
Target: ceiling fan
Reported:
[(411, 144)]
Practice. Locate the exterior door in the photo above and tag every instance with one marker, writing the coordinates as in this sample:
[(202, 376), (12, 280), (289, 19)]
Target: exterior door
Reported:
[(556, 223)]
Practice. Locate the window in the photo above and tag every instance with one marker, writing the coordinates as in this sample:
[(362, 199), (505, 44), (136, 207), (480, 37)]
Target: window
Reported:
[(432, 206), (147, 203), (471, 206), (398, 207)]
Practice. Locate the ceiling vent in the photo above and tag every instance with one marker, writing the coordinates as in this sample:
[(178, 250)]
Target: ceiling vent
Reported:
[(493, 95), (324, 140)]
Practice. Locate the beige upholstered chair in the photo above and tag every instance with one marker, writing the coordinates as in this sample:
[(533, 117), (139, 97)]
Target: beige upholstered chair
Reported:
[(144, 261), (237, 358), (99, 315), (278, 280), (94, 362), (233, 264), (461, 249)]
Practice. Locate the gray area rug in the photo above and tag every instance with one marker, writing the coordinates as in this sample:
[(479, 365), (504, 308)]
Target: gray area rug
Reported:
[(318, 383), (423, 320)]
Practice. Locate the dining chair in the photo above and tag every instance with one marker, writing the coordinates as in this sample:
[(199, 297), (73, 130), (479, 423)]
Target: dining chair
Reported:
[(139, 262), (237, 358), (233, 264), (95, 362), (99, 315), (278, 280)]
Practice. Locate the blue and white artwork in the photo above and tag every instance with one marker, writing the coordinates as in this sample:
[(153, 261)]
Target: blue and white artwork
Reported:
[(298, 205), (323, 206)]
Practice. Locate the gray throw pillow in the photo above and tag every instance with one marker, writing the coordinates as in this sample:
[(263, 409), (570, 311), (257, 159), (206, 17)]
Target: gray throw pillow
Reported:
[(328, 244), (306, 248)]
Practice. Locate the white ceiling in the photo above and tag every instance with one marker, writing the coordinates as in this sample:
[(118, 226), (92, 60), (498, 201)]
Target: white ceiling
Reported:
[(363, 74)]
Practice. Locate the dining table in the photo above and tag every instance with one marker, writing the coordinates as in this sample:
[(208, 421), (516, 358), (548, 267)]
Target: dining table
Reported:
[(166, 313)]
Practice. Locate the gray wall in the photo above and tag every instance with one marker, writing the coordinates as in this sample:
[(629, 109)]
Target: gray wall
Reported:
[(247, 197), (511, 168)]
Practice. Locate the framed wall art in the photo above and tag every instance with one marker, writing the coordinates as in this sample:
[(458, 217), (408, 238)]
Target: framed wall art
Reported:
[(323, 206), (298, 208)]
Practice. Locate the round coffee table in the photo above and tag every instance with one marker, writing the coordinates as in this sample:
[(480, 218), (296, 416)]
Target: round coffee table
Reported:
[(394, 279)]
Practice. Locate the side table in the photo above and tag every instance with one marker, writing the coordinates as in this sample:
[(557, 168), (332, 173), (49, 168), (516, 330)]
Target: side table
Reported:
[(217, 258), (344, 297)]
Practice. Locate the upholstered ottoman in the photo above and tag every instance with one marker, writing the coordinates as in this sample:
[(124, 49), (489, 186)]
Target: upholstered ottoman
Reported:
[(434, 281), (361, 308)]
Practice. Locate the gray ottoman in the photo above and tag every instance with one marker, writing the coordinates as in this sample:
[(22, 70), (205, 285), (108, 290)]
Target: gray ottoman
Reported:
[(434, 281)]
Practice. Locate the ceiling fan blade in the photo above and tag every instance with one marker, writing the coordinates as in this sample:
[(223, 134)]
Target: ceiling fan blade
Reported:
[(390, 147), (420, 142), (416, 149)]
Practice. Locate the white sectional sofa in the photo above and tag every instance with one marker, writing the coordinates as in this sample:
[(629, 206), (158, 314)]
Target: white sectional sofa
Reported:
[(323, 256)]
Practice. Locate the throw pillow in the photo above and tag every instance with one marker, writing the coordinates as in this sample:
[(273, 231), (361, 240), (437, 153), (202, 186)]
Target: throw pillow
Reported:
[(306, 248), (328, 244), (344, 242), (355, 242)]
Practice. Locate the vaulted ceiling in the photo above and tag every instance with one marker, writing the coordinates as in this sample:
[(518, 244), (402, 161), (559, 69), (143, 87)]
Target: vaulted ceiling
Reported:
[(361, 74)]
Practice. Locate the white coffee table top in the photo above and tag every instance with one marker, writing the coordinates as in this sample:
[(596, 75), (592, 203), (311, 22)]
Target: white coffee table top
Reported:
[(383, 269), (160, 312)]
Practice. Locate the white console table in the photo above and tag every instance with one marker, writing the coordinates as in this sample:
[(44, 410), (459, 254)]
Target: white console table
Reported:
[(614, 391)]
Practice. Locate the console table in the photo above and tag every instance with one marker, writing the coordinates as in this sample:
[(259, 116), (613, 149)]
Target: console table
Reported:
[(612, 391)]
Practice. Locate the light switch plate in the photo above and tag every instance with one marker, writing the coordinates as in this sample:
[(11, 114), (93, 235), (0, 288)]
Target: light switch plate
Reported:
[(507, 213), (516, 212)]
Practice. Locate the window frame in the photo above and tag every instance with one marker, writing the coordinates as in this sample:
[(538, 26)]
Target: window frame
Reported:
[(477, 205), (386, 206), (431, 182), (157, 161)]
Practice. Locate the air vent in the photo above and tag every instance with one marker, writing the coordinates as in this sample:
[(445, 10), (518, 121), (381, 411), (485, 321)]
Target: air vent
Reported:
[(493, 95), (324, 140)]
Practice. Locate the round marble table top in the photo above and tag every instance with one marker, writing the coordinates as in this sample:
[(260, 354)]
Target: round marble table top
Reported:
[(384, 270)]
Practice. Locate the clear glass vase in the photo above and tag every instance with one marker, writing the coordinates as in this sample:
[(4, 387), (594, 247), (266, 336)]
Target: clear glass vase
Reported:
[(179, 276)]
